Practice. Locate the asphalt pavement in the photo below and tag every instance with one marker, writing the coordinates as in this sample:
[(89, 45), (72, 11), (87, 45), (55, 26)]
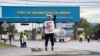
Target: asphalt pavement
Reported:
[(72, 48)]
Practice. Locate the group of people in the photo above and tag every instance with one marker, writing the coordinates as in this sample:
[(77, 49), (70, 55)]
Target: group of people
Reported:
[(82, 36), (23, 39), (49, 28), (49, 34)]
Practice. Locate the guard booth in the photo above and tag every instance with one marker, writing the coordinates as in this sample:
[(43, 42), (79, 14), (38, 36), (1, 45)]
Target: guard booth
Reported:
[(37, 14)]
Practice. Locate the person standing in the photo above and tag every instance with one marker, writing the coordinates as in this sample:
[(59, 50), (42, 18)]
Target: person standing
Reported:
[(88, 38), (49, 32), (24, 39), (80, 37), (21, 39), (10, 38)]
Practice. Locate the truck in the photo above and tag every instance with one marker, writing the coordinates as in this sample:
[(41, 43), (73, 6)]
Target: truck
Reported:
[(60, 35)]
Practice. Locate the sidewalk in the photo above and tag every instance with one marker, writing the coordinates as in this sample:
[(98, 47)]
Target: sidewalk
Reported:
[(58, 52), (27, 52), (67, 48)]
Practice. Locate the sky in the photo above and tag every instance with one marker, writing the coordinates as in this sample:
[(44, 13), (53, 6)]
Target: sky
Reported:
[(89, 9)]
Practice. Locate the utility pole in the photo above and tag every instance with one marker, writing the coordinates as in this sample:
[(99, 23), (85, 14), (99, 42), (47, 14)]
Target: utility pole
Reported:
[(54, 19), (75, 31)]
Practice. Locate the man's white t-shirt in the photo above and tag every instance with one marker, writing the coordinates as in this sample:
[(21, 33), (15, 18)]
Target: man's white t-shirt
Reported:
[(49, 27)]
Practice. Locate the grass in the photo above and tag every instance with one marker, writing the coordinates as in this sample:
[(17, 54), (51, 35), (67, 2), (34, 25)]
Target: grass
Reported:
[(3, 45)]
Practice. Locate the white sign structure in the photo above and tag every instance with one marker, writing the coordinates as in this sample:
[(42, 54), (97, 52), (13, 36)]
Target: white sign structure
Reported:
[(4, 36), (80, 29), (0, 12), (4, 25)]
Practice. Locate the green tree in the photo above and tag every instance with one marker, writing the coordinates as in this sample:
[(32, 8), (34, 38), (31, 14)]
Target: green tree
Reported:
[(96, 28), (10, 28), (85, 24), (1, 28)]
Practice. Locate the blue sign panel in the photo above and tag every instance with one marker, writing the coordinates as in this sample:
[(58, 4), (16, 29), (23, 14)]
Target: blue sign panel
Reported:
[(19, 14)]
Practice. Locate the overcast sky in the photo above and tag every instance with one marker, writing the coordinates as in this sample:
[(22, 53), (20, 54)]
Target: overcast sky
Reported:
[(89, 9)]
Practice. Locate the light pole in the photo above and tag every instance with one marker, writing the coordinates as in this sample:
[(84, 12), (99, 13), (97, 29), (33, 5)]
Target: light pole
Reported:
[(75, 30), (54, 19)]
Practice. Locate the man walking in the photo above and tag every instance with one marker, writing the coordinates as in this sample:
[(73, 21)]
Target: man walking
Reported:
[(80, 37), (10, 38), (88, 38), (49, 31)]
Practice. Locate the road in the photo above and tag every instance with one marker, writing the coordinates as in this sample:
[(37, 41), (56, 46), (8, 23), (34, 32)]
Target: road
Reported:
[(71, 48), (92, 46)]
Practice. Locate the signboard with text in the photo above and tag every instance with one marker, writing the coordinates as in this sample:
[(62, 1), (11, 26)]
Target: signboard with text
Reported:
[(19, 14)]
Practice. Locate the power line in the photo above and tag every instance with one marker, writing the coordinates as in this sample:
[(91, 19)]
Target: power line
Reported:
[(59, 1), (40, 4), (17, 3), (49, 5), (89, 7)]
